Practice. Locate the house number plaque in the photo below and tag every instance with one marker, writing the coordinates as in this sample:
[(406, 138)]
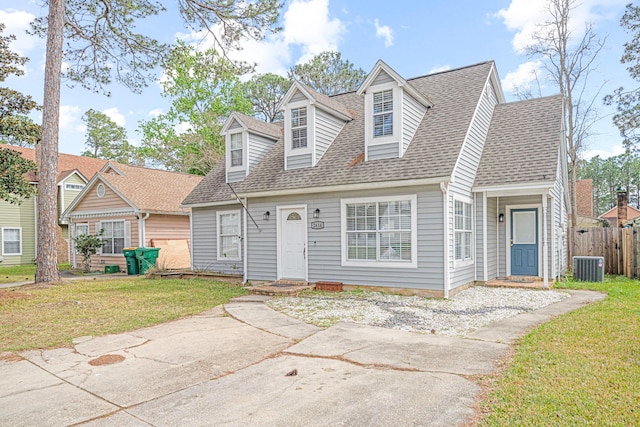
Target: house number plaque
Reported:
[(317, 225)]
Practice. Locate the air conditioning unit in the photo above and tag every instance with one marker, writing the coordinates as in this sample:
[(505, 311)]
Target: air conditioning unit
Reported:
[(588, 268)]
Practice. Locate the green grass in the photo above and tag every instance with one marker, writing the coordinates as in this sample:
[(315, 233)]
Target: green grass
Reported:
[(582, 368), (23, 273), (33, 318)]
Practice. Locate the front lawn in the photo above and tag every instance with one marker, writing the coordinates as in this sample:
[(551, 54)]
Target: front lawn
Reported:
[(22, 273), (582, 368), (32, 318)]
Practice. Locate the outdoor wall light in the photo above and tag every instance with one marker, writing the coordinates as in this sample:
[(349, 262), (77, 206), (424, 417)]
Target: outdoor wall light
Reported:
[(316, 213), (265, 216), (501, 217)]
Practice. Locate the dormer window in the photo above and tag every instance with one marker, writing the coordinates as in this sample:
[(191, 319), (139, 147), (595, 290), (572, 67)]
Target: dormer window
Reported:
[(383, 113), (235, 149), (299, 127)]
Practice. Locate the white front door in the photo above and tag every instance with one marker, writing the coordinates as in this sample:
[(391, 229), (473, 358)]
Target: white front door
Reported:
[(293, 243)]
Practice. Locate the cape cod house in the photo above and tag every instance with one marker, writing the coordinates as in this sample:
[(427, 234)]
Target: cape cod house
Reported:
[(18, 222), (430, 183)]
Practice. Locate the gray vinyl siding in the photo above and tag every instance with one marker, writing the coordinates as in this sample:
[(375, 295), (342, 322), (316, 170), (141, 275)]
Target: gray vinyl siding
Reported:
[(257, 146), (326, 128), (301, 161), (412, 114), (235, 125), (558, 250), (382, 78), (298, 96), (204, 241), (491, 238), (236, 176), (382, 151), (324, 246), (464, 175)]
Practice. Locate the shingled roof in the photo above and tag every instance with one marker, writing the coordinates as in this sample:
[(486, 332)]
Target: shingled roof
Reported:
[(432, 153), (259, 126), (151, 189), (522, 143), (67, 163)]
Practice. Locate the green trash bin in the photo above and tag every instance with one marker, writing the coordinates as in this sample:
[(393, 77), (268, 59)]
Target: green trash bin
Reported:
[(147, 258), (132, 261)]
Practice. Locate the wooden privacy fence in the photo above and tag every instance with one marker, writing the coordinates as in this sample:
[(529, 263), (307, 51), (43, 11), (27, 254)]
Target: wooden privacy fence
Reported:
[(620, 248)]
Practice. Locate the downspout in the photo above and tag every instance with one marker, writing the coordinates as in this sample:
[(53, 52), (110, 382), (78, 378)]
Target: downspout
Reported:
[(70, 242), (498, 238), (141, 230), (445, 205), (545, 244), (245, 263), (485, 249)]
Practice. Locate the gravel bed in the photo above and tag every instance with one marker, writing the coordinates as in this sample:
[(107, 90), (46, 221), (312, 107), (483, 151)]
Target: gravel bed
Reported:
[(467, 311)]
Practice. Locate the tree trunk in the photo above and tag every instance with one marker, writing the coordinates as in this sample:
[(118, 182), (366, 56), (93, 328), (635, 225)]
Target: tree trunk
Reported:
[(47, 258)]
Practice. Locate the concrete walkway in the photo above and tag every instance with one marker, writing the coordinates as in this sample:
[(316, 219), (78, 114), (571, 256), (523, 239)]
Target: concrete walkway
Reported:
[(251, 366)]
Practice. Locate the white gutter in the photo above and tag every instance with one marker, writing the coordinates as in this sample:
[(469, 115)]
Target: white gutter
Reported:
[(445, 200), (245, 262), (485, 254)]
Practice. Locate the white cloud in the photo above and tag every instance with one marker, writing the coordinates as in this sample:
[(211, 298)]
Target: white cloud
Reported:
[(155, 112), (117, 117), (182, 127), (523, 77), (306, 24), (17, 22), (615, 150), (525, 16), (439, 69), (69, 115), (384, 32)]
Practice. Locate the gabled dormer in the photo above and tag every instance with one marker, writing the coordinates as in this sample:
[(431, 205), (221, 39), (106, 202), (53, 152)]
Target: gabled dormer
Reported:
[(111, 168), (311, 123), (393, 110), (247, 140)]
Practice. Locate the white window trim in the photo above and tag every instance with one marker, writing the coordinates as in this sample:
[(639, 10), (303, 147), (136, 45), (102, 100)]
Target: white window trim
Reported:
[(126, 238), (3, 240), (396, 136), (75, 233), (463, 262), (227, 258), (228, 151), (413, 199), (67, 184), (311, 118)]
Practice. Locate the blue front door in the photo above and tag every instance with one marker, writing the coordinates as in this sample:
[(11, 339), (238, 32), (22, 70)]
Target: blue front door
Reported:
[(524, 242)]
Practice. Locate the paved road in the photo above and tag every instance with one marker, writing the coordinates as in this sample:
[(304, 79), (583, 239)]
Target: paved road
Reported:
[(246, 365)]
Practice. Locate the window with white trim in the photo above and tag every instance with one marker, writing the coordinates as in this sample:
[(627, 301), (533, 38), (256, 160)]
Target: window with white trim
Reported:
[(383, 113), (299, 127), (380, 231), (228, 235), (11, 241), (463, 231), (75, 187), (114, 236), (81, 229), (235, 149)]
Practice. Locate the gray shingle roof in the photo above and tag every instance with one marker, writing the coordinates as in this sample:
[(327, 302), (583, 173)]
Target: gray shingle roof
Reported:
[(522, 143), (260, 126), (327, 101), (432, 153)]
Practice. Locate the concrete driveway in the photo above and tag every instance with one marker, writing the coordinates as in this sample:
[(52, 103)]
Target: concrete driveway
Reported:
[(260, 368)]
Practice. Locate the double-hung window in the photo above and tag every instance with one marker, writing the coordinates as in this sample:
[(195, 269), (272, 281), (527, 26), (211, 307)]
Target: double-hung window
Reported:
[(383, 113), (229, 235), (463, 231), (235, 149), (11, 241), (299, 127), (380, 231), (114, 237)]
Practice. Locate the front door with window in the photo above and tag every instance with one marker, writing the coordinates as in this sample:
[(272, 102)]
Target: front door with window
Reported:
[(524, 242), (293, 245)]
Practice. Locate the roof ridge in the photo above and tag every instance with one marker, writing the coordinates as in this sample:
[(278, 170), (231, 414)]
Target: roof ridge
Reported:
[(490, 61), (539, 98)]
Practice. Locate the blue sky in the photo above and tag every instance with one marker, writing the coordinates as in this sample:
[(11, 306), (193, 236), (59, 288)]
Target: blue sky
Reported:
[(413, 37)]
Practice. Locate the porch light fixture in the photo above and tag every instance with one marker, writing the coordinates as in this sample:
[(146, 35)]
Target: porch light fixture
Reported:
[(316, 213), (265, 216), (501, 217)]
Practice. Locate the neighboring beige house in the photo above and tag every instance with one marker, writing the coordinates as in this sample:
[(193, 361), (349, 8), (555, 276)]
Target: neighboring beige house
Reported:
[(622, 214), (18, 222), (134, 207)]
